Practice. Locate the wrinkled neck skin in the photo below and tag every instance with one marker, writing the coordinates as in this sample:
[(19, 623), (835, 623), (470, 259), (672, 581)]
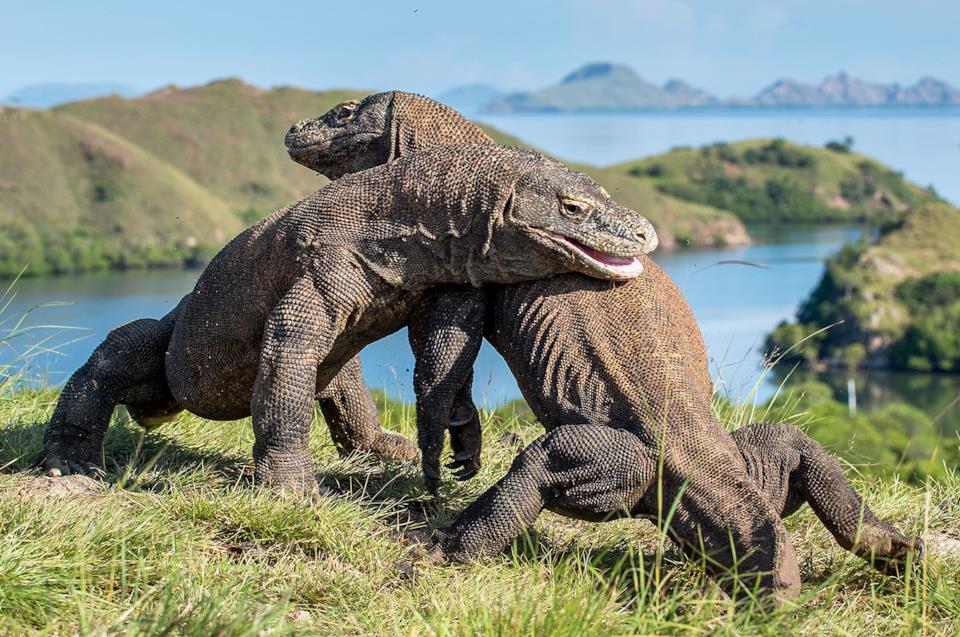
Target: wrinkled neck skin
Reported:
[(414, 238), (416, 125)]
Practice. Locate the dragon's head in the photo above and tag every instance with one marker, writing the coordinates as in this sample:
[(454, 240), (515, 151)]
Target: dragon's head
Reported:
[(523, 215), (571, 215), (360, 134)]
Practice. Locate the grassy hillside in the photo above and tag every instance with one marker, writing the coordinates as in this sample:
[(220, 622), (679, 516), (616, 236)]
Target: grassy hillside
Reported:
[(175, 541), (679, 223), (227, 135), (74, 196), (899, 299), (766, 180)]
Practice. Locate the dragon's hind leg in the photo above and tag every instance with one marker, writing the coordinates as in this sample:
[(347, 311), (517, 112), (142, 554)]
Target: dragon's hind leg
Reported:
[(127, 368), (351, 416), (810, 474)]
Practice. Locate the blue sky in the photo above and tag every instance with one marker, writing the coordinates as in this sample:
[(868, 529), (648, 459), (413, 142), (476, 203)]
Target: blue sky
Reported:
[(730, 47)]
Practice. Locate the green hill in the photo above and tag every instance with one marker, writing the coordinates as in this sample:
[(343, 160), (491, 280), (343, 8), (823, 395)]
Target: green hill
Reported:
[(74, 196), (227, 135), (899, 299), (766, 180)]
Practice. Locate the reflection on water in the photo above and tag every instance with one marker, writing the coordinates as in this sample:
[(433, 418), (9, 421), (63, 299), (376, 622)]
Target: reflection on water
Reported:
[(936, 394)]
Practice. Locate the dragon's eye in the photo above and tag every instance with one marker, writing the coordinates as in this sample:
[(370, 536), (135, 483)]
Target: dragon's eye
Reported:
[(345, 113), (573, 209)]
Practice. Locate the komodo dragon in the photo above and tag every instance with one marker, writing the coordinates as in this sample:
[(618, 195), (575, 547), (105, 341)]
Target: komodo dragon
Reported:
[(618, 375), (287, 302)]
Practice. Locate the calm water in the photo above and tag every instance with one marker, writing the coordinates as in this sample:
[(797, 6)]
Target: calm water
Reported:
[(735, 305)]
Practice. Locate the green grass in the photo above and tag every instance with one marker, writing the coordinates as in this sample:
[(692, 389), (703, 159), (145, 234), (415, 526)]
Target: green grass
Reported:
[(177, 542)]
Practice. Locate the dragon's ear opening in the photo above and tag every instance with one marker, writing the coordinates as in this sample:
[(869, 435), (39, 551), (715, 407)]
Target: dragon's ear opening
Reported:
[(508, 205), (397, 134)]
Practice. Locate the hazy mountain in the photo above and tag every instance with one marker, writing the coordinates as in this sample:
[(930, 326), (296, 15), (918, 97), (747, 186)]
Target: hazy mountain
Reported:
[(470, 97), (689, 95), (843, 90), (603, 86), (52, 94)]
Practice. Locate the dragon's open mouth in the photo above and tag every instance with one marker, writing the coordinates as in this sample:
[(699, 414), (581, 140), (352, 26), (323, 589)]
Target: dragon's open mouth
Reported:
[(617, 266)]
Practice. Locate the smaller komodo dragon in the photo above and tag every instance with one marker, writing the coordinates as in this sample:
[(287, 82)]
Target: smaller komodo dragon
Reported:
[(289, 301), (611, 370)]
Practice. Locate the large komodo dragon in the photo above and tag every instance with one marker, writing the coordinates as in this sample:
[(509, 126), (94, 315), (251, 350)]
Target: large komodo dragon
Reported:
[(286, 303), (618, 375)]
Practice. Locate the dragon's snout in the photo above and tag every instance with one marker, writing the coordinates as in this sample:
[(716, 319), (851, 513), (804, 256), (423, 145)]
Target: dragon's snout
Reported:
[(303, 133)]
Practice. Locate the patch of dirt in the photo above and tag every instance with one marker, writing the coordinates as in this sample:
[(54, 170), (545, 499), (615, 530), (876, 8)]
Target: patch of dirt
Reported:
[(942, 545), (67, 486), (887, 264), (732, 170), (839, 202)]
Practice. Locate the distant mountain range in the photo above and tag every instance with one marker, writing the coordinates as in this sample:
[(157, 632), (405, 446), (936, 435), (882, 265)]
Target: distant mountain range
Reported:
[(471, 97), (53, 94), (603, 86)]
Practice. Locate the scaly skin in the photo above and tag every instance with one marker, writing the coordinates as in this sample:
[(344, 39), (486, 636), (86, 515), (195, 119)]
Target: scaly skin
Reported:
[(595, 360), (286, 304)]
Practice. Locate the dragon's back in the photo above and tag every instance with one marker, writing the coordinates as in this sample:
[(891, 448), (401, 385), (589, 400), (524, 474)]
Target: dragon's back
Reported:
[(585, 350)]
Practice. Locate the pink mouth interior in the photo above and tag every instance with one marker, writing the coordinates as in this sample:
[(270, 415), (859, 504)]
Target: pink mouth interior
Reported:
[(626, 266)]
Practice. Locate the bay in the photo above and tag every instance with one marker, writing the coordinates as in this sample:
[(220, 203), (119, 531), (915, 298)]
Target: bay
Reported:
[(736, 305)]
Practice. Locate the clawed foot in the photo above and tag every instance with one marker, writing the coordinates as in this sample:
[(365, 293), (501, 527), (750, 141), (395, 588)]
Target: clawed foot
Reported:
[(902, 550), (394, 446), (464, 465), (287, 473), (56, 465), (466, 441)]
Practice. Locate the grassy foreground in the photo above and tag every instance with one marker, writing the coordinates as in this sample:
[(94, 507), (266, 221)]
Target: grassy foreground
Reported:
[(177, 542)]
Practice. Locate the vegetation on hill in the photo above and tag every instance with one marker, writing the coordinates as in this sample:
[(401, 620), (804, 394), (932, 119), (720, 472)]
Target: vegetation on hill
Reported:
[(898, 300), (778, 181), (227, 135), (74, 196)]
